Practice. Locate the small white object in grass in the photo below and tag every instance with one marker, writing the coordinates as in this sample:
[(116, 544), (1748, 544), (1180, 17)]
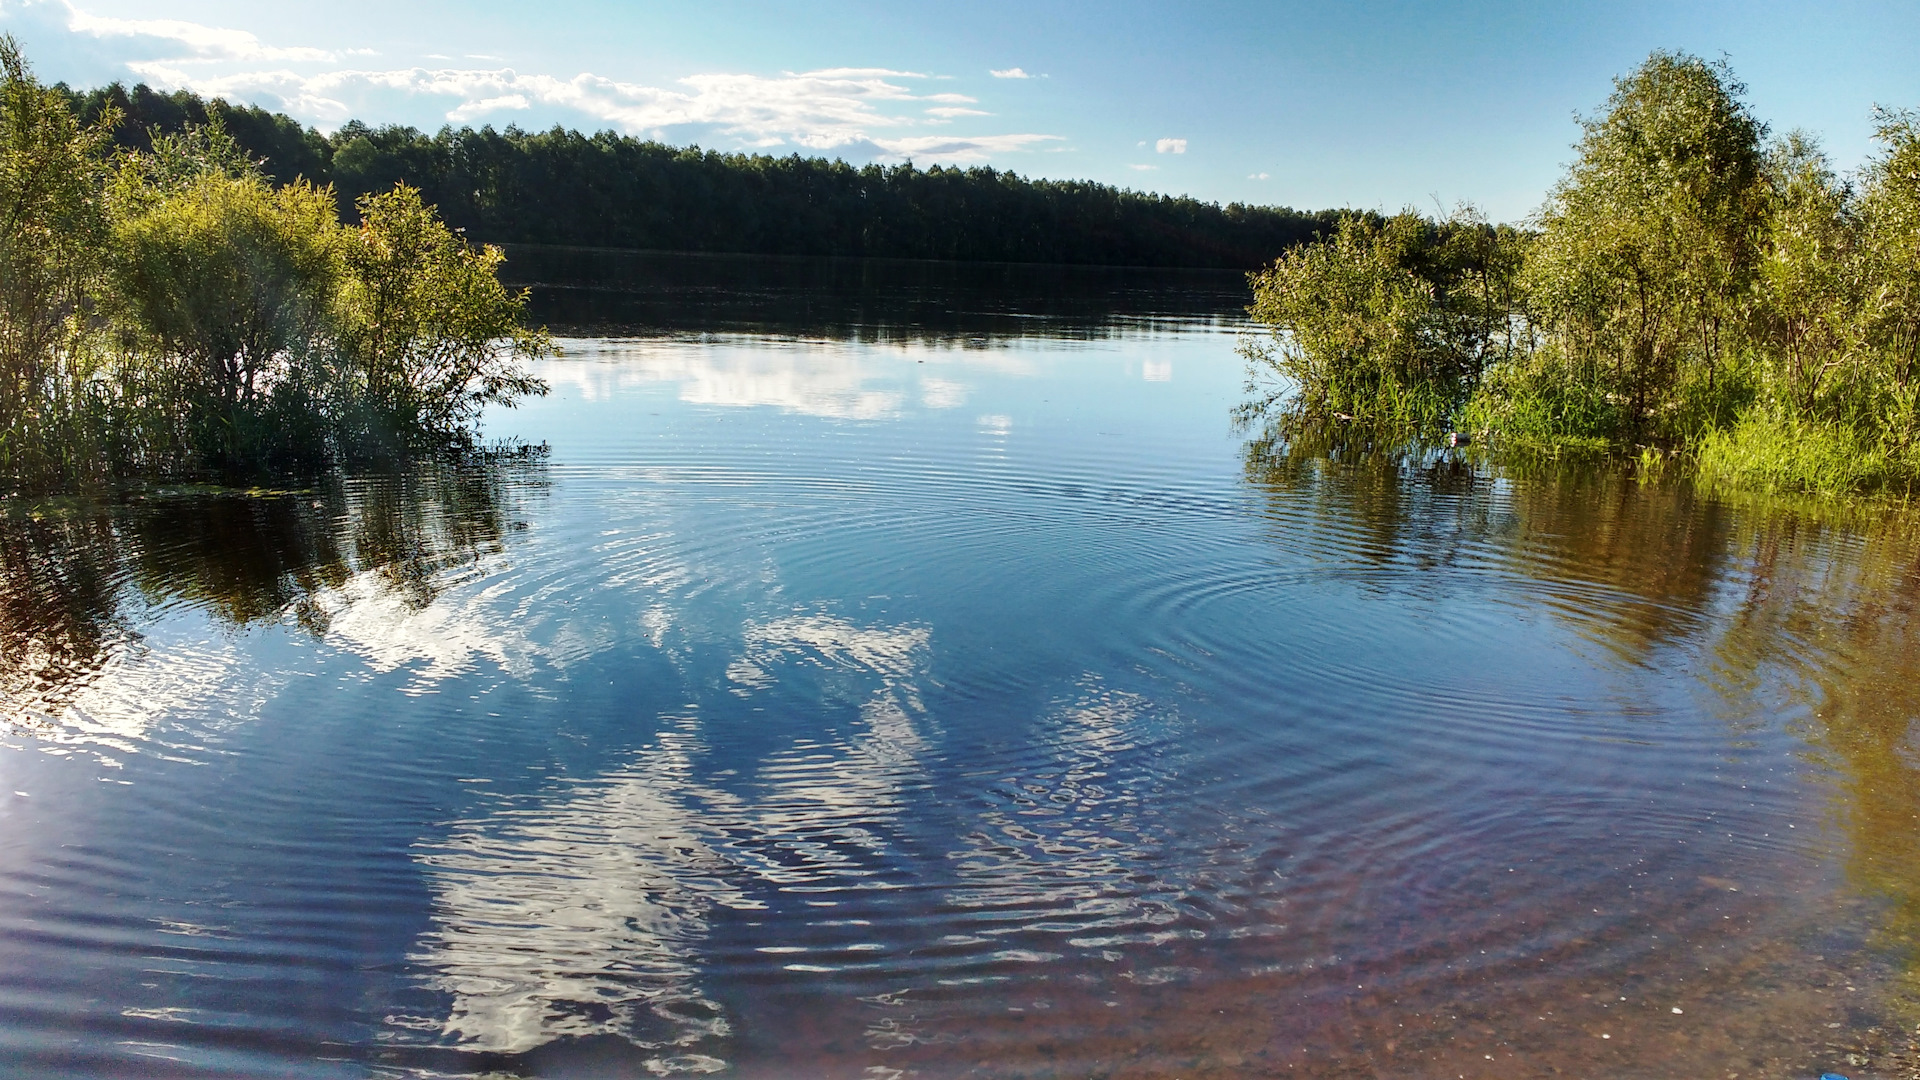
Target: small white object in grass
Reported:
[(1606, 1036), (1676, 1010)]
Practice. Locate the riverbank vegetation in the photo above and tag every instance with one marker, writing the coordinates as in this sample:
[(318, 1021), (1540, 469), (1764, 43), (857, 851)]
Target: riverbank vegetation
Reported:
[(171, 310), (566, 187), (1691, 287)]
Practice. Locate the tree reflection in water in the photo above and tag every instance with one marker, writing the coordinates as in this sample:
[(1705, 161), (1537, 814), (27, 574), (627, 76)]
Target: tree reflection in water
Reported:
[(1804, 610), (81, 578)]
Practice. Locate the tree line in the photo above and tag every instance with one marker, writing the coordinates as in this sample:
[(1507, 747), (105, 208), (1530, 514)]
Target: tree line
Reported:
[(609, 190), (1691, 287), (172, 310)]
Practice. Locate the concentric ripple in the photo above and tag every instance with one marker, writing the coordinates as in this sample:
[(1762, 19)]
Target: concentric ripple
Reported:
[(910, 705)]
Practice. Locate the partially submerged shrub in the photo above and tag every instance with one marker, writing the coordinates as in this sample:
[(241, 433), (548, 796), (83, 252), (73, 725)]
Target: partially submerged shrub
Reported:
[(1388, 321), (224, 285), (428, 336), (1684, 287), (175, 311)]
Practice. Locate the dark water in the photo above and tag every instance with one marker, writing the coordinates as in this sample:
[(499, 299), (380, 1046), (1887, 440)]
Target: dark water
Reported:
[(605, 292), (894, 694)]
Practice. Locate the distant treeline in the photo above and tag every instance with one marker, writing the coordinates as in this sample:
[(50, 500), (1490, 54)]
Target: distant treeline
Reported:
[(608, 190)]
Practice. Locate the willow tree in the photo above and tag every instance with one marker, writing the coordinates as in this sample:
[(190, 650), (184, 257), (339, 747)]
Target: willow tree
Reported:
[(228, 282), (427, 335), (1890, 273), (52, 227), (1390, 320), (1649, 246), (1806, 318)]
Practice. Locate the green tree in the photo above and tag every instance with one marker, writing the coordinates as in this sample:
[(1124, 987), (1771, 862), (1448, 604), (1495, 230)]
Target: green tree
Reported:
[(228, 281), (428, 335), (1805, 321), (1649, 247), (1890, 268), (52, 228)]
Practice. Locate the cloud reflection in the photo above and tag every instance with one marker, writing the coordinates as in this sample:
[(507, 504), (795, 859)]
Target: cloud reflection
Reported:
[(587, 913), (826, 379)]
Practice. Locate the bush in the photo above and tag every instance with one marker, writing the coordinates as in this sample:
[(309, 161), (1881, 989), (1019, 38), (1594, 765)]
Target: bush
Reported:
[(1388, 321), (173, 311), (428, 335), (223, 287), (1685, 288)]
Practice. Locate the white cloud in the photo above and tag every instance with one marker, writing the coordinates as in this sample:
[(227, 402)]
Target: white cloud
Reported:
[(1009, 73), (1143, 168), (202, 43), (858, 111), (1259, 176), (1170, 146), (484, 106)]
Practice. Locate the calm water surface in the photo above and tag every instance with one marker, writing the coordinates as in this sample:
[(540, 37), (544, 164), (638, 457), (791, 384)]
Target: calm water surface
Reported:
[(920, 681)]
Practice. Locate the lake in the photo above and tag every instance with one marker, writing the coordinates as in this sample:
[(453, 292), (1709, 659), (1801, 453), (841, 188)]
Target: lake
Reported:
[(895, 669)]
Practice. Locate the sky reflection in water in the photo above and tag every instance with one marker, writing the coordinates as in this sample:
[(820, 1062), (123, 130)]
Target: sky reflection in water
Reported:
[(860, 702)]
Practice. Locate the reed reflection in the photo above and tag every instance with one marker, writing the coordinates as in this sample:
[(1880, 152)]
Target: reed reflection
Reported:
[(1629, 564), (1823, 631), (59, 614)]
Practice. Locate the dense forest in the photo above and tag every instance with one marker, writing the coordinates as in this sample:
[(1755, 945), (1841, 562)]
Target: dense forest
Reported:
[(1691, 289), (608, 190)]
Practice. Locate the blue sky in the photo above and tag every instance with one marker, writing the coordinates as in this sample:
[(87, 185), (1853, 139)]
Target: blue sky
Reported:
[(1376, 104)]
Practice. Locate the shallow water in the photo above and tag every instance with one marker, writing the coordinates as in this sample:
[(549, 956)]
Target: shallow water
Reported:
[(861, 696)]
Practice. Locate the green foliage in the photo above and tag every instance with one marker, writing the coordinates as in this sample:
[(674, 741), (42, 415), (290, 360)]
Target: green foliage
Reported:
[(286, 149), (1684, 288), (1889, 270), (1390, 321), (1805, 322), (1765, 453), (428, 333), (608, 190), (52, 227), (1647, 249), (170, 310), (228, 281), (1531, 399)]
